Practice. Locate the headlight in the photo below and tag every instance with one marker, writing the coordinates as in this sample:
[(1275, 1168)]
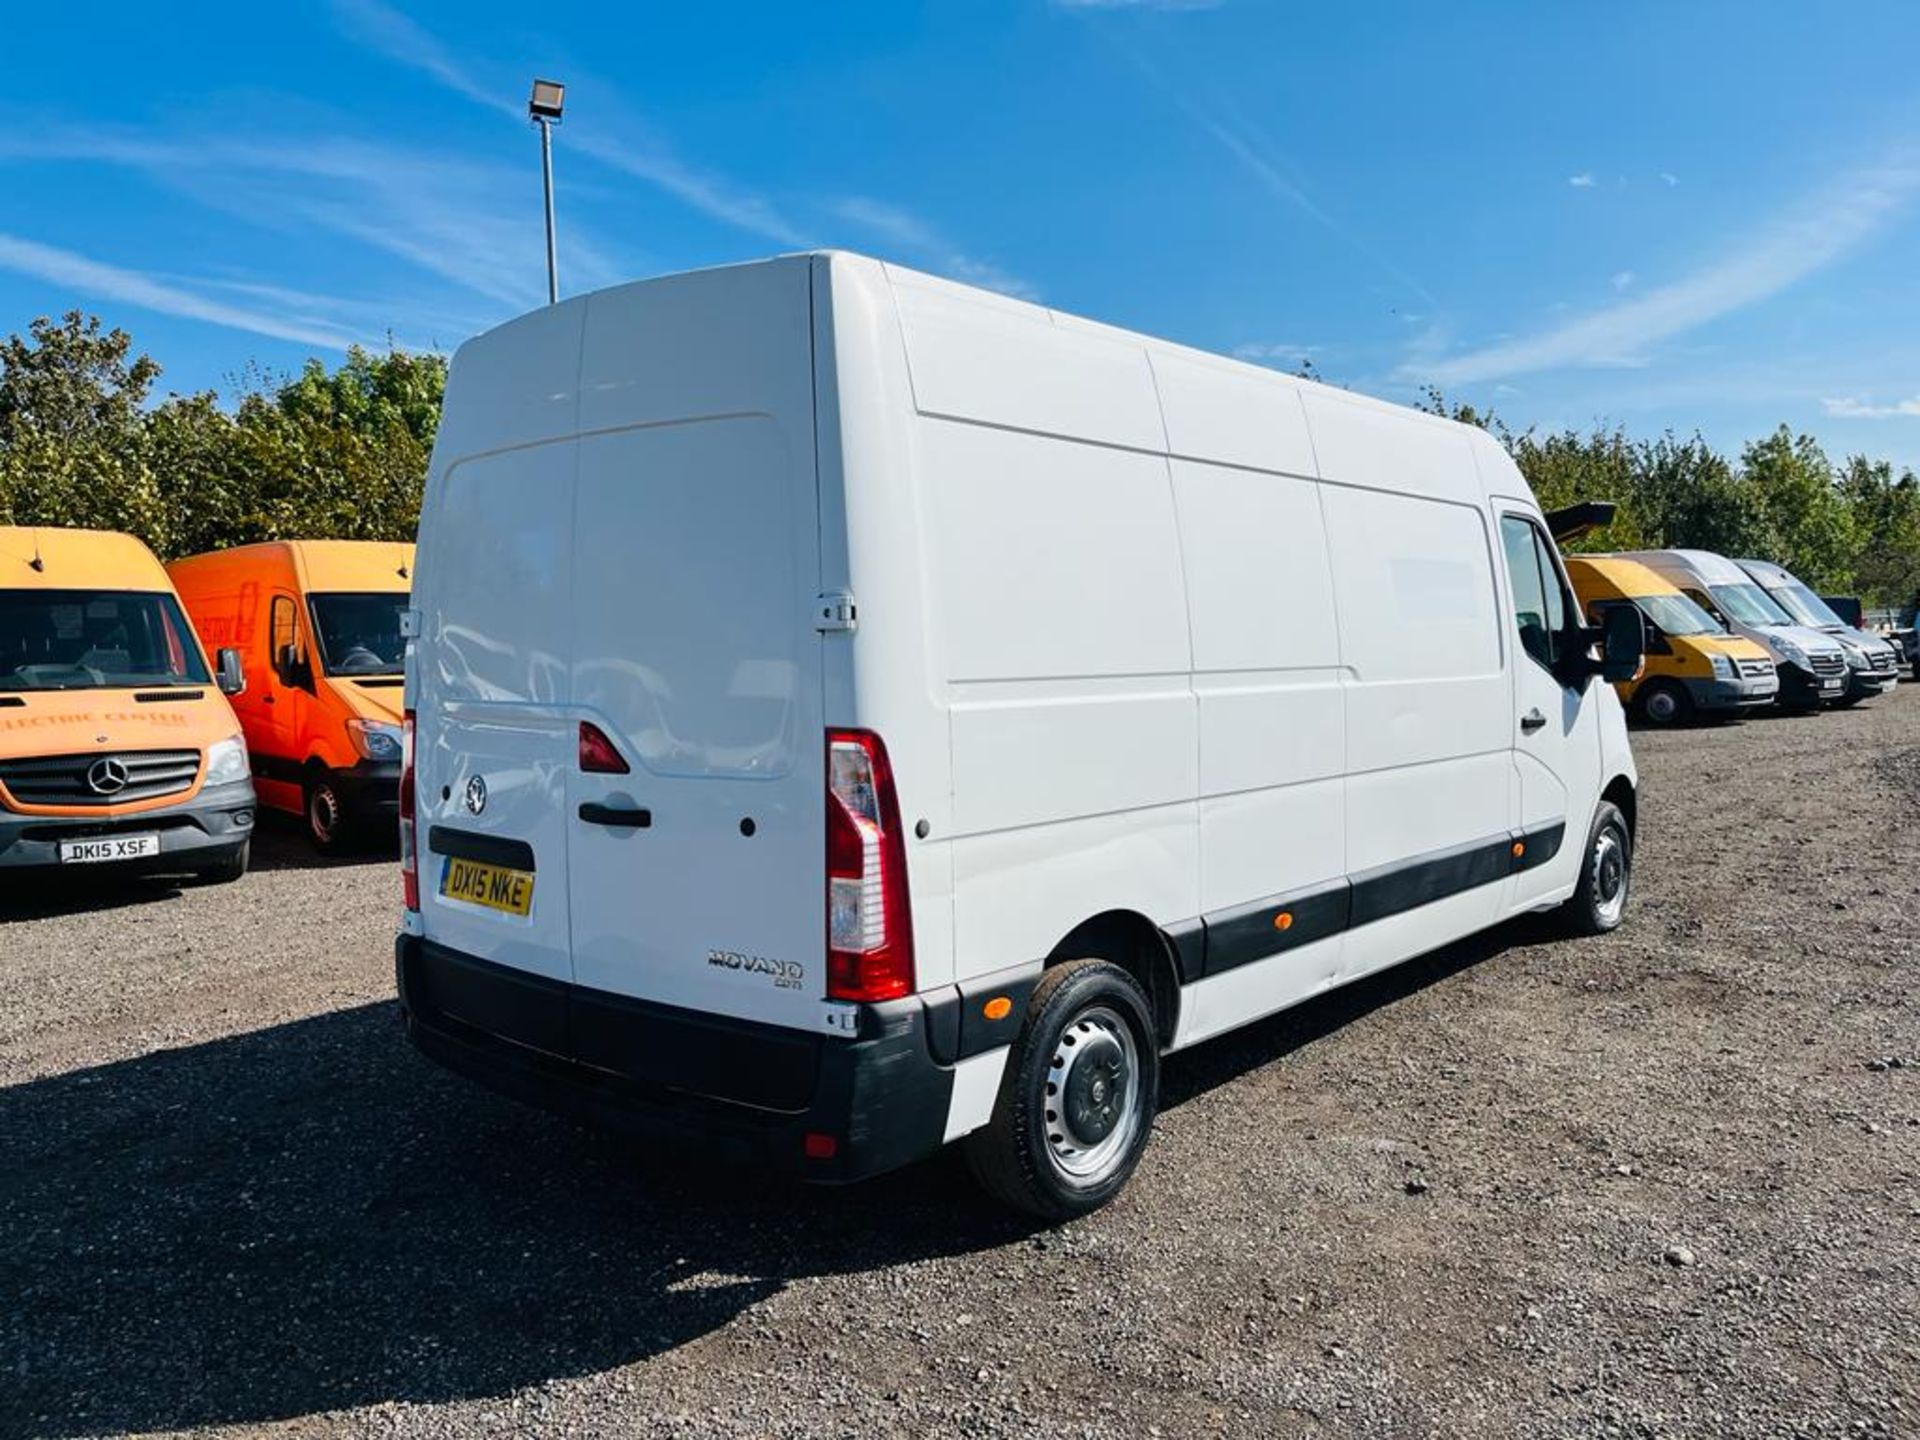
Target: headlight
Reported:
[(1790, 652), (375, 740), (227, 761), (1723, 667), (1856, 657)]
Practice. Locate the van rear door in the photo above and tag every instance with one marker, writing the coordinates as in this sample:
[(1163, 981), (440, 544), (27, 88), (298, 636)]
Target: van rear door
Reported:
[(698, 876), (696, 563)]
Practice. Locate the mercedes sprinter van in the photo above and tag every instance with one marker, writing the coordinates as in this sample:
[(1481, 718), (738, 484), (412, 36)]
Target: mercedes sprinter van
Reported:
[(852, 712), (317, 625), (117, 745), (1812, 667), (1693, 666), (1873, 664)]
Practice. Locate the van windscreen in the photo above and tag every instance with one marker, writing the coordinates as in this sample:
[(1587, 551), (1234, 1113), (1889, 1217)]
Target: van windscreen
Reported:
[(95, 640), (1749, 605), (1803, 605), (360, 633), (1677, 615)]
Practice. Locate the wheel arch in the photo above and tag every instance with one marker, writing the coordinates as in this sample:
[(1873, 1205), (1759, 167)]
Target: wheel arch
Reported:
[(1135, 944), (1625, 796)]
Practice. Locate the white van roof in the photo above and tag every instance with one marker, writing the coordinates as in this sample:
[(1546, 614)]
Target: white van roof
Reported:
[(1713, 569)]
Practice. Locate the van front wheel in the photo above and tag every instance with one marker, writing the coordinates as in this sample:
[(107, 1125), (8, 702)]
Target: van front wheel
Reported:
[(1078, 1098), (328, 826), (1599, 902), (1664, 703)]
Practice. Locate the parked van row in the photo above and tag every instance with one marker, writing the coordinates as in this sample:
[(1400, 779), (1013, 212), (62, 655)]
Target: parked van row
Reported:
[(121, 742), (1725, 636)]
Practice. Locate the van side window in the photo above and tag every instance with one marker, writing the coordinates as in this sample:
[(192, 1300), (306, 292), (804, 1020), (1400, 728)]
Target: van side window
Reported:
[(282, 628), (1539, 607)]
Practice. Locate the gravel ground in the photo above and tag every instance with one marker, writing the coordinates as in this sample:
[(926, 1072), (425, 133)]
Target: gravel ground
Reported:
[(1663, 1183)]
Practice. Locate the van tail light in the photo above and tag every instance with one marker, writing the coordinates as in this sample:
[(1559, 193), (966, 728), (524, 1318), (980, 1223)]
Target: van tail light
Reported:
[(869, 926), (409, 851), (598, 754)]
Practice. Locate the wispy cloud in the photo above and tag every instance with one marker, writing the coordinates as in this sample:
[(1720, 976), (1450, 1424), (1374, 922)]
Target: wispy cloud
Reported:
[(619, 141), (1258, 157), (908, 232), (1621, 279), (465, 223), (97, 278), (1582, 181), (1668, 178), (1810, 237), (1850, 408)]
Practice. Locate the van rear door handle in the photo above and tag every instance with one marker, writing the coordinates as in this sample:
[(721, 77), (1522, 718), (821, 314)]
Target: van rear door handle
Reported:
[(1532, 720), (595, 814)]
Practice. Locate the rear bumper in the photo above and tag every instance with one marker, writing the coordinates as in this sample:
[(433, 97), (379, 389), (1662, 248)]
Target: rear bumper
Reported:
[(1746, 693), (209, 828), (743, 1091)]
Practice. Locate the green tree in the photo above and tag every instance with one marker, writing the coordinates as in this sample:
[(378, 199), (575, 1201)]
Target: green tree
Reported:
[(1792, 492), (1886, 522)]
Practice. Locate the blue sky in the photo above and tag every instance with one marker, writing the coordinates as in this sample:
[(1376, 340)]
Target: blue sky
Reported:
[(1698, 216)]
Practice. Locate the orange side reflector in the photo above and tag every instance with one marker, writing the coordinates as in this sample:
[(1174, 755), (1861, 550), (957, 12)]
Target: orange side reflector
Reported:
[(997, 1008), (1519, 849), (1283, 921)]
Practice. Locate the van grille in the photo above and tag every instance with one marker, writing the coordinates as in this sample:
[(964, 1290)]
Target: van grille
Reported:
[(1754, 669), (126, 777), (1827, 663)]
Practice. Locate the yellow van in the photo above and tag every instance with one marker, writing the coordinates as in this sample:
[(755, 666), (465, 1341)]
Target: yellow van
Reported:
[(1692, 664), (317, 626), (117, 744)]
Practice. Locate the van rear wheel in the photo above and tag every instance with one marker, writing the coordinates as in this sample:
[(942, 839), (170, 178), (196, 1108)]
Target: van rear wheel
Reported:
[(1599, 902), (1078, 1098), (328, 826)]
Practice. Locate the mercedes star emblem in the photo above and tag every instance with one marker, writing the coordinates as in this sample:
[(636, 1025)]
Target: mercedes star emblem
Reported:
[(108, 775)]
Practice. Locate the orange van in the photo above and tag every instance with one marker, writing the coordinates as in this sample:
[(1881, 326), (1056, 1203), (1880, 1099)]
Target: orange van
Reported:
[(317, 627), (117, 744)]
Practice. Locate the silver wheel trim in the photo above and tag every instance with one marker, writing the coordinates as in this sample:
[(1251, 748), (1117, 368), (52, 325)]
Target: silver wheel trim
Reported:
[(1098, 1035), (1662, 705), (323, 812), (1612, 874)]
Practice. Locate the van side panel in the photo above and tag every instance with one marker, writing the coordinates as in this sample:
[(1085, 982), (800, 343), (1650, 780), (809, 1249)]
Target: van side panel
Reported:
[(1057, 622)]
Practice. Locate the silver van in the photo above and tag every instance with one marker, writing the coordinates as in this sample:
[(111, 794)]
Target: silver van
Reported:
[(1873, 665)]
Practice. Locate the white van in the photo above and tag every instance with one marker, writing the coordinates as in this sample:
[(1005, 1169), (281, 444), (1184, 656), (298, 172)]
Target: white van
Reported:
[(851, 712), (1811, 665)]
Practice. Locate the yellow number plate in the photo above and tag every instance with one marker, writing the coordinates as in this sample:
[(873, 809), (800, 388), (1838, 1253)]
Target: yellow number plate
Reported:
[(494, 886)]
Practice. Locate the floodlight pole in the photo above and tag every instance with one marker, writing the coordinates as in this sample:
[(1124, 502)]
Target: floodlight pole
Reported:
[(546, 174)]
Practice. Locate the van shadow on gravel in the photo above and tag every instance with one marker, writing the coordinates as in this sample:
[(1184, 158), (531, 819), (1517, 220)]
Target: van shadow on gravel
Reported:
[(310, 1217)]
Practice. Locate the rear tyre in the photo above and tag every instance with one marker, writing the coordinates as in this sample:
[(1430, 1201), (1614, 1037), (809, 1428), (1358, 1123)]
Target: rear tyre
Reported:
[(225, 872), (328, 825), (1664, 703), (1599, 902), (1078, 1098)]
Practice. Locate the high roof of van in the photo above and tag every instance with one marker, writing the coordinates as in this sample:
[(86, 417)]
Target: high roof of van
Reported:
[(1768, 573), (1712, 569), (34, 557), (1628, 577), (375, 566)]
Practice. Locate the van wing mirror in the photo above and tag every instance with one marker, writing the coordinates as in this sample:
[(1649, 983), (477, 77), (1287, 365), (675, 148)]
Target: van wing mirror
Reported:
[(1623, 641), (229, 674)]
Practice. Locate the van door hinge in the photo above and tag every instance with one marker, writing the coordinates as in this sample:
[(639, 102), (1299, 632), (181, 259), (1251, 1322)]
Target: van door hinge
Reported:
[(409, 624), (834, 611)]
